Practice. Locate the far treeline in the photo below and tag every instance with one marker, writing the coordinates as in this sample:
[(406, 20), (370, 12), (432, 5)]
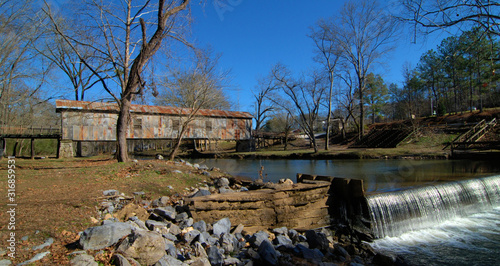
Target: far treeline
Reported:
[(126, 51)]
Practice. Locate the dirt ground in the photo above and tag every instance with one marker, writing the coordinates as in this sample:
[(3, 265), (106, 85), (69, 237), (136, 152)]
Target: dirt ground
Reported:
[(56, 198)]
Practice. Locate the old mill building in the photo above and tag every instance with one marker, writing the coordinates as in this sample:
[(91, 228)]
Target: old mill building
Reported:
[(90, 127)]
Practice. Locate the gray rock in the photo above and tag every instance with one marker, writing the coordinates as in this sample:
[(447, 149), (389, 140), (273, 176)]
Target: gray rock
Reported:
[(205, 173), (110, 192), (139, 193), (25, 238), (37, 257), (231, 261), (170, 237), (187, 223), (317, 240), (174, 229), (203, 167), (161, 202), (339, 250), (283, 240), (199, 251), (224, 190), (47, 243), (222, 226), (120, 260), (153, 225), (221, 182), (177, 172), (170, 248), (167, 212), (280, 231), (159, 157), (215, 256), (104, 236), (293, 234), (229, 243), (188, 164), (140, 223), (144, 246), (200, 226), (243, 189), (257, 238), (169, 261), (267, 253), (5, 262), (309, 254), (201, 193), (181, 217), (83, 260), (191, 236)]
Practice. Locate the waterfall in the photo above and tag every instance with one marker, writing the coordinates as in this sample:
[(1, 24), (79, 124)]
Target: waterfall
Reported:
[(395, 213)]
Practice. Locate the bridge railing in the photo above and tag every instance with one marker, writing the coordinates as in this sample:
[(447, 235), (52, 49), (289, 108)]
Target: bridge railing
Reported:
[(29, 130)]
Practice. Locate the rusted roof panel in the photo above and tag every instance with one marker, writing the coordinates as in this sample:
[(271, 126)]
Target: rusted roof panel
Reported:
[(146, 109)]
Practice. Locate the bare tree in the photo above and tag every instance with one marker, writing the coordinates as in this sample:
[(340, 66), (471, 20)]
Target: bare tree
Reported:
[(440, 14), (62, 55), (263, 106), (22, 73), (365, 33), (328, 54), (125, 35), (305, 95), (200, 87)]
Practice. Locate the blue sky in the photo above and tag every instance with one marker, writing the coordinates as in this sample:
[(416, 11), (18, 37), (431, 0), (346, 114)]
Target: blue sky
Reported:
[(254, 35)]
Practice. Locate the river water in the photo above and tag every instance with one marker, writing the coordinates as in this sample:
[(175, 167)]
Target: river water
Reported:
[(469, 240)]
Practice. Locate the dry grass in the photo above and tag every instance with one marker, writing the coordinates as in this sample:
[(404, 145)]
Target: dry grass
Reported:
[(57, 198)]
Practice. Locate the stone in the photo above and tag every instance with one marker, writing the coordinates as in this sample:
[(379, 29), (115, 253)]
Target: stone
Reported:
[(317, 240), (186, 223), (25, 238), (120, 260), (169, 261), (267, 253), (222, 226), (293, 234), (224, 190), (167, 212), (5, 262), (339, 250), (205, 173), (177, 172), (283, 240), (170, 248), (139, 193), (170, 237), (110, 192), (222, 182), (104, 236), (201, 193), (154, 225), (200, 226), (215, 256), (280, 231), (181, 217), (203, 167), (257, 238), (174, 229), (199, 251), (314, 255), (131, 210), (159, 157), (238, 229), (83, 260), (231, 261), (191, 236), (37, 257), (144, 246), (47, 243), (229, 243), (140, 223)]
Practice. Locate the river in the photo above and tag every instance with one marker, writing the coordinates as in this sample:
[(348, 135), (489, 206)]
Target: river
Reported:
[(470, 240)]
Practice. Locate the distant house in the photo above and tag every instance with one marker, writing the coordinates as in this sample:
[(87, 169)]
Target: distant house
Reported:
[(87, 122)]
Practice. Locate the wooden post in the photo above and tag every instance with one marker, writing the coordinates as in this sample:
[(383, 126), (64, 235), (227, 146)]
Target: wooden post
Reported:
[(58, 148), (32, 148)]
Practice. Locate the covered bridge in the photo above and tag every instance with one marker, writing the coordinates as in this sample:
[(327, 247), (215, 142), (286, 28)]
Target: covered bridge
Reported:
[(92, 125)]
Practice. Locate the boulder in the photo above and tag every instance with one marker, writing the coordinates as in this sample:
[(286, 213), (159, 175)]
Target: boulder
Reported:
[(191, 236), (283, 240), (144, 246), (317, 240), (167, 212), (200, 226), (104, 236), (201, 193), (215, 256), (221, 182), (169, 261), (83, 260), (313, 255), (120, 260), (222, 226), (267, 253), (257, 238)]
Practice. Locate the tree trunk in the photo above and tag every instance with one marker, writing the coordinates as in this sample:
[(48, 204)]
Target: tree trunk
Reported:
[(121, 130), (361, 114), (173, 153)]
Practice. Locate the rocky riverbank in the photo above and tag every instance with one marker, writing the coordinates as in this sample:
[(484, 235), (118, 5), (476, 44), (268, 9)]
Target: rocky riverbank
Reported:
[(137, 231)]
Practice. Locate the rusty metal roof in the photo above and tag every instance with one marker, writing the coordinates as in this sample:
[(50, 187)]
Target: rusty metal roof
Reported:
[(146, 109)]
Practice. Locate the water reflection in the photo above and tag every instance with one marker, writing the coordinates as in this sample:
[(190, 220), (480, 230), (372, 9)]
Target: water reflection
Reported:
[(379, 175)]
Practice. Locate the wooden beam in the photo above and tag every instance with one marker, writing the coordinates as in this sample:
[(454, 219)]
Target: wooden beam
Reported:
[(32, 148)]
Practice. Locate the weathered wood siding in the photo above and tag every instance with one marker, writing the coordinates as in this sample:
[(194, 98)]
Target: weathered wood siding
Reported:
[(100, 125)]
